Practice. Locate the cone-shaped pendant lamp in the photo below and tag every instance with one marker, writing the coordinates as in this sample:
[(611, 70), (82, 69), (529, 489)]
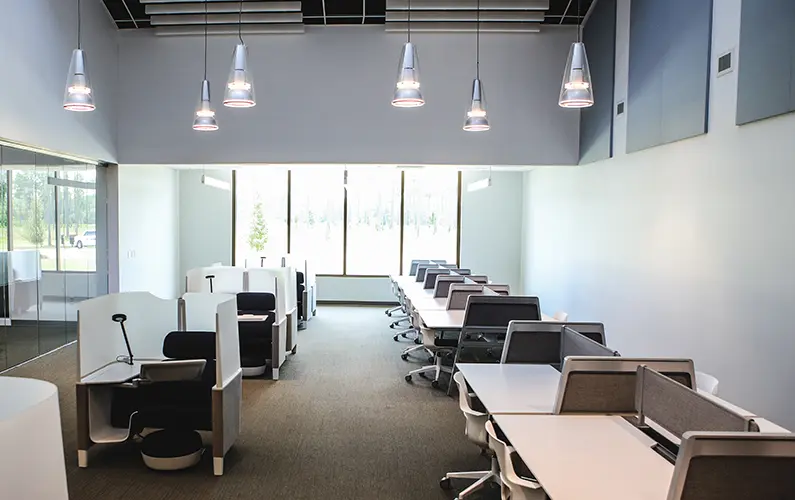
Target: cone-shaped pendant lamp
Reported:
[(78, 95), (577, 90), (407, 89), (239, 91), (477, 118), (204, 119)]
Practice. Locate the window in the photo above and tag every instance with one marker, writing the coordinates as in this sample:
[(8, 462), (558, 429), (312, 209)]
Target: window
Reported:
[(430, 215), (317, 212), (33, 214), (373, 242), (347, 222), (261, 214), (77, 216)]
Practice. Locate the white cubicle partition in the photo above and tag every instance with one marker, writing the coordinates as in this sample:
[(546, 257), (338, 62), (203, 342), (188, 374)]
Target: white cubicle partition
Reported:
[(276, 281), (227, 279), (200, 309), (99, 339), (228, 390)]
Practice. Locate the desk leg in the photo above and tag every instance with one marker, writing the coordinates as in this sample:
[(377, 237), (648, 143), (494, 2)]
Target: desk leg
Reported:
[(83, 437)]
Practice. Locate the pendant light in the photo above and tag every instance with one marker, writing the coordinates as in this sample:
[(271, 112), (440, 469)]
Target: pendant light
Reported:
[(407, 91), (577, 90), (78, 95), (477, 121), (204, 120), (239, 91)]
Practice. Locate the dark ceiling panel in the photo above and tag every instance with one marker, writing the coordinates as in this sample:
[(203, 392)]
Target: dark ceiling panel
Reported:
[(337, 12)]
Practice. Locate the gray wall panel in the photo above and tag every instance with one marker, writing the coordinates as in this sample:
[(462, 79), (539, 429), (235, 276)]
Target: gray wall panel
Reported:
[(596, 122), (668, 71), (766, 86)]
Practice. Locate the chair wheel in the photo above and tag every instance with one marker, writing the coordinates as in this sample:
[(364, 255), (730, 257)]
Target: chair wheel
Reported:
[(445, 484), (392, 325), (435, 384), (389, 314), (408, 378), (417, 341), (395, 338), (430, 359), (404, 357)]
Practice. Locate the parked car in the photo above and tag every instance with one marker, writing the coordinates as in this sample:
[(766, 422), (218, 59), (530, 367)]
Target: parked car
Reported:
[(87, 239)]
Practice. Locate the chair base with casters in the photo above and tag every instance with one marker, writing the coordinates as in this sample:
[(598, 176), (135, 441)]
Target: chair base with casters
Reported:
[(482, 479), (439, 348), (408, 350), (389, 312), (168, 450), (408, 334)]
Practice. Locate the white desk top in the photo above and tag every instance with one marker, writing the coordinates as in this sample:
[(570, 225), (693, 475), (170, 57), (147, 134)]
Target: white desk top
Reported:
[(429, 303), (513, 388), (588, 457), (436, 319), (251, 317), (116, 372)]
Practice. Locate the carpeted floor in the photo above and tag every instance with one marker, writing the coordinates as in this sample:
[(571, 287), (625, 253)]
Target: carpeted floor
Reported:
[(341, 424)]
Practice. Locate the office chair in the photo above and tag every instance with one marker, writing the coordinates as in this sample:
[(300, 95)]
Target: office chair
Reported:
[(707, 383), (734, 466), (475, 431), (514, 485)]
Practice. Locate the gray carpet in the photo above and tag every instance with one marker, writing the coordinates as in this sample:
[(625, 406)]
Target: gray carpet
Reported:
[(341, 423)]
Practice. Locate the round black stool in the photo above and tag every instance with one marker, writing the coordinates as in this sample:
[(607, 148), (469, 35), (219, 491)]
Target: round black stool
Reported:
[(172, 449)]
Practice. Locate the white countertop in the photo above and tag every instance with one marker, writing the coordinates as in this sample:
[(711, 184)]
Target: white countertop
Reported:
[(513, 388)]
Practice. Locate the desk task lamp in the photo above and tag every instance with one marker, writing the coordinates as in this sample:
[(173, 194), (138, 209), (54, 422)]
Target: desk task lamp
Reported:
[(121, 318), (210, 277)]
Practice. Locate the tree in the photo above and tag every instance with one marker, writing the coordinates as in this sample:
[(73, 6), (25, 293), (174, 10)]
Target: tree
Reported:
[(258, 232), (34, 227)]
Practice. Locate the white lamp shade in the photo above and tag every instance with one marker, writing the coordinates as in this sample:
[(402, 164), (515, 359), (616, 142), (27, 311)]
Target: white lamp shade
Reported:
[(204, 118), (32, 462), (407, 88), (78, 96), (477, 117), (577, 88), (239, 92)]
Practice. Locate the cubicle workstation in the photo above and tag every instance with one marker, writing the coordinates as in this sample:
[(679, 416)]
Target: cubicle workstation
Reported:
[(139, 368), (306, 280)]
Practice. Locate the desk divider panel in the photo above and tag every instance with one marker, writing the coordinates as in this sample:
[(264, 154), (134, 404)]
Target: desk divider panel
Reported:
[(270, 280), (100, 340), (227, 279), (679, 409), (540, 342), (227, 340), (443, 282), (573, 343), (198, 310), (608, 385), (497, 289), (431, 275), (481, 279), (498, 311), (459, 294)]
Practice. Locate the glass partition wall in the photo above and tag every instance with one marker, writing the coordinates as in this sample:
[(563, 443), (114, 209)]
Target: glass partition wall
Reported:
[(48, 251)]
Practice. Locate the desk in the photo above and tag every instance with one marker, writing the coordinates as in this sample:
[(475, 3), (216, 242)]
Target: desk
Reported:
[(429, 303), (252, 317), (116, 373), (588, 457), (513, 388), (453, 319)]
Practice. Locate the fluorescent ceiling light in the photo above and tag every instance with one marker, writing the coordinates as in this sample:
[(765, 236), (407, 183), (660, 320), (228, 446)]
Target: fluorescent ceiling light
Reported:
[(478, 185), (216, 183)]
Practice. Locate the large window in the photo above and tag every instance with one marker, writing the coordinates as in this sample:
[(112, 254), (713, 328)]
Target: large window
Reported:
[(317, 212), (373, 243), (356, 222), (261, 214), (430, 216)]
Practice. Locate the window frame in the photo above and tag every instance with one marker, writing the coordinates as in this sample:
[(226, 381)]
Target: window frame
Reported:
[(345, 224)]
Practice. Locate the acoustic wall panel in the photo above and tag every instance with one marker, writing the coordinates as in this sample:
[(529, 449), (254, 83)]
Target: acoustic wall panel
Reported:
[(596, 122), (669, 61), (765, 80)]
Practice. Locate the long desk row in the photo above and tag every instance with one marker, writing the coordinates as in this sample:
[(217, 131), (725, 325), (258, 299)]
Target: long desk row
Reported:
[(613, 459)]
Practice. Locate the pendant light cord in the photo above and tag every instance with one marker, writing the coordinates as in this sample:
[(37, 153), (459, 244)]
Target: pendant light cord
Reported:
[(79, 28), (205, 39), (409, 23), (240, 23), (579, 22), (477, 50)]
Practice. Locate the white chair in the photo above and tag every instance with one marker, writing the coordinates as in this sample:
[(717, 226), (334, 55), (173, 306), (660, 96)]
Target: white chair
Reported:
[(561, 316), (416, 324), (475, 430), (514, 486), (707, 383)]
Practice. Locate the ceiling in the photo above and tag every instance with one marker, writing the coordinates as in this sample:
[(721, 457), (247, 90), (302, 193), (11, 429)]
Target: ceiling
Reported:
[(174, 17)]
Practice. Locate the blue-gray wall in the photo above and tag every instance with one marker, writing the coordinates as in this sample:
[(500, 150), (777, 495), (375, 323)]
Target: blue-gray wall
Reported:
[(596, 122), (669, 60), (766, 85)]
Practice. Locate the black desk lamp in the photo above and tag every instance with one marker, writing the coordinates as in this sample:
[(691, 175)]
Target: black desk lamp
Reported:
[(210, 277), (121, 318)]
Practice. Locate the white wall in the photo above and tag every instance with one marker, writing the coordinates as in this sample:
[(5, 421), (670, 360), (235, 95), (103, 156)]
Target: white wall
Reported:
[(149, 229), (684, 249), (324, 97), (205, 232), (491, 227), (36, 42)]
